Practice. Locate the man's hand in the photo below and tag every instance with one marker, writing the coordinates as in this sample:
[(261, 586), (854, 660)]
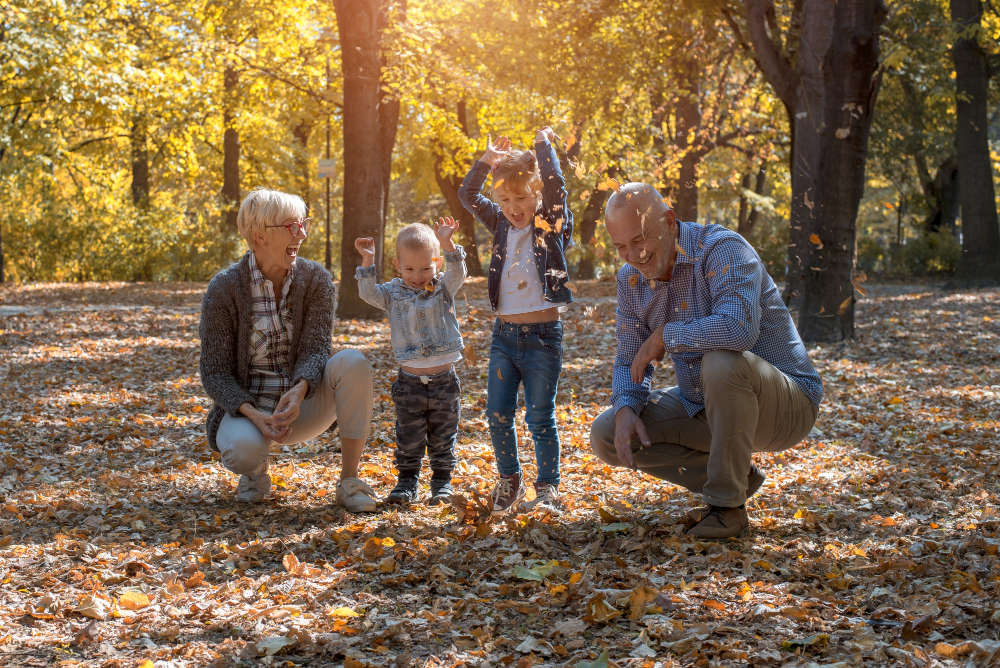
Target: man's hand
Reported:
[(288, 406), (366, 246), (443, 229), (495, 151), (545, 133), (652, 350), (629, 426)]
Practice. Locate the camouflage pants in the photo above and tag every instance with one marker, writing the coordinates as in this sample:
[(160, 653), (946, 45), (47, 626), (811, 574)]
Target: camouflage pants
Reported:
[(426, 421)]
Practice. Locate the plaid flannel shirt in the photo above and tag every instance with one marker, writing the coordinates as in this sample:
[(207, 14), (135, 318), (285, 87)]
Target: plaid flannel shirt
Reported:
[(719, 297), (270, 375)]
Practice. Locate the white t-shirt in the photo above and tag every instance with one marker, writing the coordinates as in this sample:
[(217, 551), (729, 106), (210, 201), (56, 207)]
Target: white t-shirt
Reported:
[(520, 288), (437, 360)]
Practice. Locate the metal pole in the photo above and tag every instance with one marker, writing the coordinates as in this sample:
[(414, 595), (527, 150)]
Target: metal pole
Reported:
[(328, 262)]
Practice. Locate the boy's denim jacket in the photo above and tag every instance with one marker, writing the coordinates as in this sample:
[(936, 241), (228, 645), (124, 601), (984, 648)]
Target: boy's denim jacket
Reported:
[(550, 239), (422, 323)]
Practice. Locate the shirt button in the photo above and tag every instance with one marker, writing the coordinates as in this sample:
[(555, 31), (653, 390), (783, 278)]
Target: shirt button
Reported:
[(524, 328)]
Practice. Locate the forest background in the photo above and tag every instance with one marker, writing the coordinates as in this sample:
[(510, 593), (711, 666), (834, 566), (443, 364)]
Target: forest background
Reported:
[(130, 130)]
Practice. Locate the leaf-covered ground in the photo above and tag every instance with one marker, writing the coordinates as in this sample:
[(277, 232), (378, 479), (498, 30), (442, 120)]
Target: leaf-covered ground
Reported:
[(874, 543)]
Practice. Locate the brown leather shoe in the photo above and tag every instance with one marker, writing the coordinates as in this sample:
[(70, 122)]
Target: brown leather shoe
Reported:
[(721, 523), (755, 480)]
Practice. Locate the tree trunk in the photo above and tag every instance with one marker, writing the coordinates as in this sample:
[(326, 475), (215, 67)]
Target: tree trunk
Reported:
[(360, 23), (829, 94), (980, 234), (466, 221), (588, 227), (231, 150), (827, 312), (688, 123), (140, 163), (303, 162), (388, 121), (748, 212), (942, 197)]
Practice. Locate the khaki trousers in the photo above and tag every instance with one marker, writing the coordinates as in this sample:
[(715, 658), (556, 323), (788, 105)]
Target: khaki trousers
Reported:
[(750, 406), (346, 391)]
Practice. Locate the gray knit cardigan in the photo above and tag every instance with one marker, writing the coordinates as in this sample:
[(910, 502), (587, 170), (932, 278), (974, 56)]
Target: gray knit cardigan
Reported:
[(226, 324)]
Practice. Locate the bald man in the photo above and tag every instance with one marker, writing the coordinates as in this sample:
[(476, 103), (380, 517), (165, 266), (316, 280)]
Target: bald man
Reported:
[(745, 382)]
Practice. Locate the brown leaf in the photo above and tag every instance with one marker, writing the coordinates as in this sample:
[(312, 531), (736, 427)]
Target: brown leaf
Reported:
[(86, 634)]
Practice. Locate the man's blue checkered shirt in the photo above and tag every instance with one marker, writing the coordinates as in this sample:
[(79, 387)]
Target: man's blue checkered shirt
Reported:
[(718, 298)]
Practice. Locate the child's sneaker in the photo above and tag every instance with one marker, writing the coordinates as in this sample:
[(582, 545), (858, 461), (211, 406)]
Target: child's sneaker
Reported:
[(405, 491), (507, 493), (546, 499), (441, 491)]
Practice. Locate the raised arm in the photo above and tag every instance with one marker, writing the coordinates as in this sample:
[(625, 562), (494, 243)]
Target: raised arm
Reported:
[(455, 271), (553, 183), (376, 295), (735, 275), (470, 193)]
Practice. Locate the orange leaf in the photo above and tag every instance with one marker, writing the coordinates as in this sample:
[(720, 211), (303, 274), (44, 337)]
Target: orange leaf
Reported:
[(814, 238)]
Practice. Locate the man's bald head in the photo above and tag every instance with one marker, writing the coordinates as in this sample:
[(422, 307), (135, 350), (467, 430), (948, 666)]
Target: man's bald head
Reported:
[(643, 228), (635, 201)]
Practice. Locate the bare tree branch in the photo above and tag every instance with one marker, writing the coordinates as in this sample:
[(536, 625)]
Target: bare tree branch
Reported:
[(773, 64)]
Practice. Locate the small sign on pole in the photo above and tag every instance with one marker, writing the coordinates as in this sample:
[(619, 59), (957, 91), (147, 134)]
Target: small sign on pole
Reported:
[(327, 169)]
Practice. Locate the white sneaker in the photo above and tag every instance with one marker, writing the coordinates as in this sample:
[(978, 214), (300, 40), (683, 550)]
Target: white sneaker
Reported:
[(355, 495), (256, 487), (546, 499)]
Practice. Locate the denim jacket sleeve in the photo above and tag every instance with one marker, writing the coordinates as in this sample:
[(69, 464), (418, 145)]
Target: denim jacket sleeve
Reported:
[(455, 271), (472, 198), (376, 295), (554, 189)]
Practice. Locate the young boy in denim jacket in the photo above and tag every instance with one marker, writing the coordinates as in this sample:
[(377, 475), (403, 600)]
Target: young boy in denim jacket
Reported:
[(531, 228), (426, 343)]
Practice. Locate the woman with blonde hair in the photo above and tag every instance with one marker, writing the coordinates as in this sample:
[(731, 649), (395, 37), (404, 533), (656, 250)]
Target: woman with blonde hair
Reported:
[(266, 359)]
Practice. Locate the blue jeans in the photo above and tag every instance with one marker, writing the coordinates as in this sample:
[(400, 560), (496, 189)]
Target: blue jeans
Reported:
[(531, 354)]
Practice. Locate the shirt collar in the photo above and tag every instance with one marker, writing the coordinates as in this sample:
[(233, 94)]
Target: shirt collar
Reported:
[(257, 278), (687, 242)]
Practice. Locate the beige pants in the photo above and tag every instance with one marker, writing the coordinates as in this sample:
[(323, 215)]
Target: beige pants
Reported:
[(750, 406), (346, 390)]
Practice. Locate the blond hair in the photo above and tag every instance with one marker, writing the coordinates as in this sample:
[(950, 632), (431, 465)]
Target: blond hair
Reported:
[(417, 236), (263, 207), (518, 172)]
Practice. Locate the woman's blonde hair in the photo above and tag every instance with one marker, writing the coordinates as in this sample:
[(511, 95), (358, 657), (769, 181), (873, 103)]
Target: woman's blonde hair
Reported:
[(263, 207), (518, 172)]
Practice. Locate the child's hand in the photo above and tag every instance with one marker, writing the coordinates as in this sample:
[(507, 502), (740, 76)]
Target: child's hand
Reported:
[(366, 246), (443, 229), (495, 151), (545, 133)]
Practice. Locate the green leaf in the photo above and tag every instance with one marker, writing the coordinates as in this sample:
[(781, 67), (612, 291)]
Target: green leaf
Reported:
[(600, 662), (616, 526), (818, 640), (536, 572)]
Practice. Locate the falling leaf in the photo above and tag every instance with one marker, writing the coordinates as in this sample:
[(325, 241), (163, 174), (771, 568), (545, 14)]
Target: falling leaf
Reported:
[(844, 305), (499, 375), (571, 286), (843, 133), (633, 280), (469, 353), (809, 204), (814, 239), (818, 640)]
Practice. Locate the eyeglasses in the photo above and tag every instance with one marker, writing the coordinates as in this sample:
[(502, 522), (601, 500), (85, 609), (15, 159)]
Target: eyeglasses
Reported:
[(296, 227)]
